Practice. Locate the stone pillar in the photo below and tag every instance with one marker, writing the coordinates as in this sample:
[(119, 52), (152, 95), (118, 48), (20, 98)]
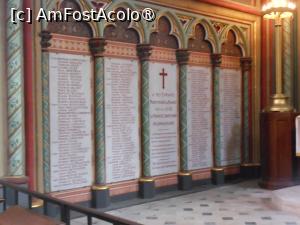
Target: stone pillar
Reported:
[(146, 183), (45, 44), (15, 93), (184, 176), (246, 72), (100, 192), (218, 176), (248, 168)]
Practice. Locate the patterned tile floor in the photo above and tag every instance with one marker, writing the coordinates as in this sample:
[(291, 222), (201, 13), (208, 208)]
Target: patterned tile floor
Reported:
[(240, 204)]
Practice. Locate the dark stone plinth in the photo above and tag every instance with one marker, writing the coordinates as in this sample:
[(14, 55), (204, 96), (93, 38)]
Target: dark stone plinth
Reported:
[(250, 171), (218, 176), (185, 182), (146, 188), (100, 197)]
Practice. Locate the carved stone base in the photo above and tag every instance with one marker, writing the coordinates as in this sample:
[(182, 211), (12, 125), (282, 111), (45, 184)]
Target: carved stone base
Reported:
[(185, 181), (100, 197), (146, 188), (218, 176)]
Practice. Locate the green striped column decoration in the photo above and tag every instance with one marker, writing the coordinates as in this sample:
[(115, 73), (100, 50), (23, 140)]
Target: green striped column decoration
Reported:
[(45, 39), (100, 190), (16, 149), (182, 59), (144, 52), (100, 121), (246, 68), (97, 46), (216, 63), (287, 59), (46, 121)]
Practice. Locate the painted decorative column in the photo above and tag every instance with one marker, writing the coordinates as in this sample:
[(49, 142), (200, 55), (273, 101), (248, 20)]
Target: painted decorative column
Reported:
[(3, 92), (184, 176), (218, 175), (246, 72), (146, 183), (100, 192), (29, 101), (248, 168), (15, 91), (45, 44)]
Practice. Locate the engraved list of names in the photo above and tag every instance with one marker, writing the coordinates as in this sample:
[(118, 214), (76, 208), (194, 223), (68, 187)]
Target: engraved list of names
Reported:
[(230, 116), (70, 121), (199, 116), (122, 119), (163, 118)]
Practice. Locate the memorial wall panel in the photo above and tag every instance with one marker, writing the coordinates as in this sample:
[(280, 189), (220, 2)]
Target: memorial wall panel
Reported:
[(199, 116), (122, 119), (230, 116), (163, 92), (71, 144)]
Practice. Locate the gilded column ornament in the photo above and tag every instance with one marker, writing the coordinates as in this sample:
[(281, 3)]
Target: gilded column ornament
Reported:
[(100, 192), (15, 93), (287, 59), (146, 182)]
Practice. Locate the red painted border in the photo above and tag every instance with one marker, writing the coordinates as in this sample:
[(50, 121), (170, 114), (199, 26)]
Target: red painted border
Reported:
[(29, 101), (234, 6)]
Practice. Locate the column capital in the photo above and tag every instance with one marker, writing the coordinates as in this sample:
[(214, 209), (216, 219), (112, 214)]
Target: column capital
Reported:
[(216, 60), (183, 56), (246, 63), (45, 39), (144, 51), (97, 46)]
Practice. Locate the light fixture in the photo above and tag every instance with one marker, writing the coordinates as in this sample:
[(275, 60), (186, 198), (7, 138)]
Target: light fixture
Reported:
[(277, 10), (281, 8)]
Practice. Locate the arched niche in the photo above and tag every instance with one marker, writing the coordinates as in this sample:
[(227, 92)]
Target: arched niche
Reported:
[(198, 42), (71, 27), (121, 31), (162, 37), (231, 47)]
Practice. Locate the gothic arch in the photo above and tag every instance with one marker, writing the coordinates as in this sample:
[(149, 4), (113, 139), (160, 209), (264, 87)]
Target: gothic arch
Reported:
[(86, 29), (210, 34), (240, 39), (139, 27), (121, 31), (176, 29)]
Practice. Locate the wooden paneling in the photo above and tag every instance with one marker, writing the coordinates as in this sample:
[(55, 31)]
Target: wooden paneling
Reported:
[(17, 215), (277, 149)]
